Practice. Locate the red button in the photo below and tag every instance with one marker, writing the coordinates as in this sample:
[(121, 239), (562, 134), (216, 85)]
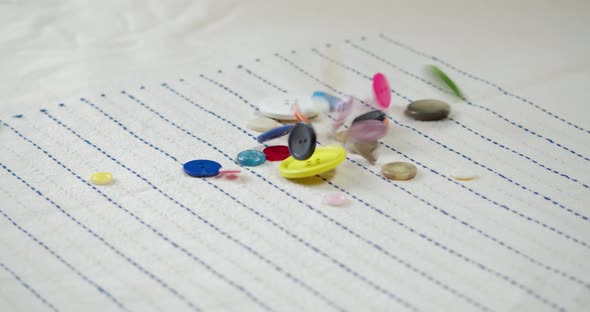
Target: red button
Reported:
[(276, 152)]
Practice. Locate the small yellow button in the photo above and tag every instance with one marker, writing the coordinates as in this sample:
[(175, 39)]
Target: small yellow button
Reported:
[(101, 178)]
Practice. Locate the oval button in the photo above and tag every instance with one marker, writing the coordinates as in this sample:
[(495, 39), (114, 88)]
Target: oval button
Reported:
[(399, 171), (381, 90), (428, 110), (302, 141), (275, 133), (202, 168), (261, 124), (438, 73), (101, 178), (335, 199), (276, 152), (367, 130), (251, 158), (372, 115), (324, 159)]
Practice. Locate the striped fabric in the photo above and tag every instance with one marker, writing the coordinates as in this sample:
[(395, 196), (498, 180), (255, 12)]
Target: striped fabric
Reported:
[(515, 238)]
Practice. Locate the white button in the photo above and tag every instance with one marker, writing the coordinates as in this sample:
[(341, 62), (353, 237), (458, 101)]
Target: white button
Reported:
[(261, 124), (463, 174), (280, 107)]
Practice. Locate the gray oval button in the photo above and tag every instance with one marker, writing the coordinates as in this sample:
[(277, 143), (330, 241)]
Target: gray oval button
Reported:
[(428, 110), (302, 141)]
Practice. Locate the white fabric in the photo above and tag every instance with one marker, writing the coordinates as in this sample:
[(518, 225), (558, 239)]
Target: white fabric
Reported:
[(514, 238)]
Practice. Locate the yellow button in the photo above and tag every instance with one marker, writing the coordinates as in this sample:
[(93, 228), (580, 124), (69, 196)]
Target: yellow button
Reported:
[(323, 159), (101, 178)]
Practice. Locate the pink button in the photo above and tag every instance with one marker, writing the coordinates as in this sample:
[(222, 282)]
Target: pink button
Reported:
[(381, 90), (335, 199), (343, 110), (229, 174), (367, 130)]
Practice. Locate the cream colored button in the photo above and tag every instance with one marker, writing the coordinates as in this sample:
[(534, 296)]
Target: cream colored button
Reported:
[(462, 174), (399, 171), (261, 124), (101, 178)]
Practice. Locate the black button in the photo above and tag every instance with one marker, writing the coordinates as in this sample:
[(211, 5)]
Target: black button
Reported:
[(374, 115), (302, 141)]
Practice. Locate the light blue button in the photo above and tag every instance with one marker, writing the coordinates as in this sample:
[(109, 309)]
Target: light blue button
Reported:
[(251, 158)]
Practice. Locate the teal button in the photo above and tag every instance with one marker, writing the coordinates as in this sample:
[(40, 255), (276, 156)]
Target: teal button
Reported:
[(251, 158)]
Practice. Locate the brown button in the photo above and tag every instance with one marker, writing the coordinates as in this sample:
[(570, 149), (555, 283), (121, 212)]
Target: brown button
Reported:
[(399, 171), (428, 110)]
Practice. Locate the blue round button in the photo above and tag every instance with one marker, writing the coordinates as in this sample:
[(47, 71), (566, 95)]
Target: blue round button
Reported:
[(251, 158), (202, 168)]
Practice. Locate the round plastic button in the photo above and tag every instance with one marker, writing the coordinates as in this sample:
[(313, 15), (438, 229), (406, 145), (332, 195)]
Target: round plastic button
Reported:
[(399, 171), (367, 130), (302, 141), (275, 133), (276, 152), (381, 90), (261, 124), (335, 199), (462, 174), (428, 110), (202, 168), (373, 115), (280, 107), (251, 158), (101, 178), (324, 159)]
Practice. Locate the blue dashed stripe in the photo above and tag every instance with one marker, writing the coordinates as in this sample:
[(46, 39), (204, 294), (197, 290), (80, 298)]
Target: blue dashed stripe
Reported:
[(109, 199), (502, 90), (224, 87), (274, 266), (345, 228), (459, 123), (262, 79), (224, 278), (85, 278), (453, 252), (547, 198), (25, 284), (125, 128), (164, 85)]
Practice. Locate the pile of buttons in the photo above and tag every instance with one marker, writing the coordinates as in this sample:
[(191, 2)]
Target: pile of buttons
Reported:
[(286, 115), (352, 127)]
